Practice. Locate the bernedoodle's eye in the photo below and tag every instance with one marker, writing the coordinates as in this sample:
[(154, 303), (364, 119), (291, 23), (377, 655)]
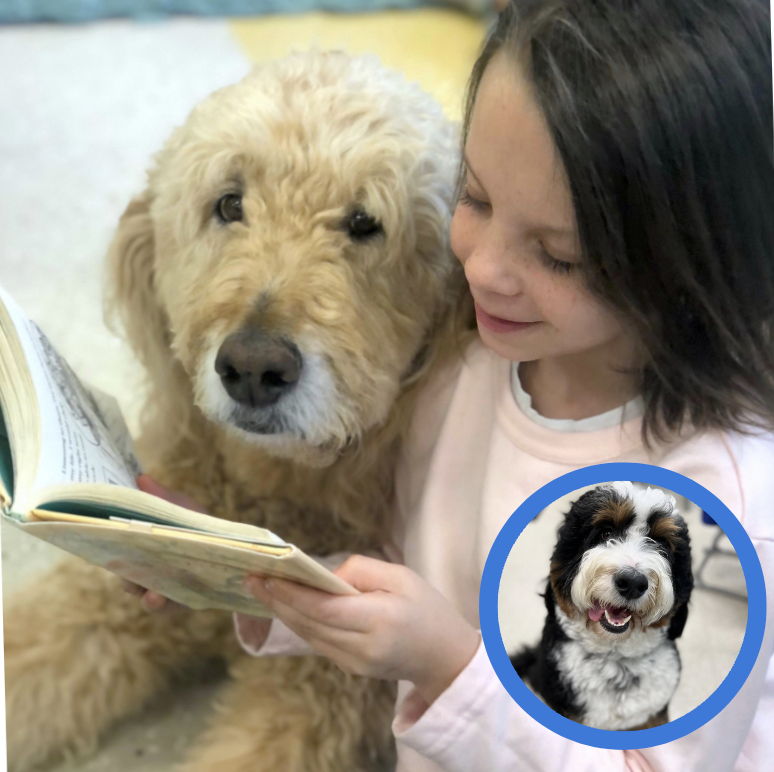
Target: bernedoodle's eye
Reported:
[(608, 534), (229, 208), (362, 226)]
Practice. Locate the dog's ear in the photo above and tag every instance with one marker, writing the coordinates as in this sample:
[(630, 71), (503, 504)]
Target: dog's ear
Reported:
[(682, 574), (130, 298), (453, 328), (435, 189), (677, 622), (549, 599)]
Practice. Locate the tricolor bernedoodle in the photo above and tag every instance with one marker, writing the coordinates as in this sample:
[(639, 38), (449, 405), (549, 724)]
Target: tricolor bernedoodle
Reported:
[(617, 598)]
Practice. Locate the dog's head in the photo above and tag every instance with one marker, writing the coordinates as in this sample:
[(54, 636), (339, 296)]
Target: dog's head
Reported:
[(289, 259), (622, 564)]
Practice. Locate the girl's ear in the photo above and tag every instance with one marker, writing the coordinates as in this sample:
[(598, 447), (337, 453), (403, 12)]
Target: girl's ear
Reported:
[(131, 305)]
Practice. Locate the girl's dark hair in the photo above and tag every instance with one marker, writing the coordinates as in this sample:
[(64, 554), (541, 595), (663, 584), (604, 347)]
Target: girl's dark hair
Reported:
[(661, 111)]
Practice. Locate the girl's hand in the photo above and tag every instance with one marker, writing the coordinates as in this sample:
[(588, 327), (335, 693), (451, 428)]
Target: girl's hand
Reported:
[(399, 628), (150, 600), (253, 632)]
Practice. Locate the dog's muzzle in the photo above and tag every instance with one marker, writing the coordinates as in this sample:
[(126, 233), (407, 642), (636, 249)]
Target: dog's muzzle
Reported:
[(255, 369), (279, 391), (631, 584)]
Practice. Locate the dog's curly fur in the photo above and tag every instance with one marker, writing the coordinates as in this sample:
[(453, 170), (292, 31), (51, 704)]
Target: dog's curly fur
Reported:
[(305, 140)]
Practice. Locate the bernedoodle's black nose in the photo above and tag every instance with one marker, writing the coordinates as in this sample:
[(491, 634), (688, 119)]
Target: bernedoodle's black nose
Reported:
[(255, 369), (631, 584)]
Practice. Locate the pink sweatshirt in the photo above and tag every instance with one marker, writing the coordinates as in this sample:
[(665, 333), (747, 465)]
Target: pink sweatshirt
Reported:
[(473, 456)]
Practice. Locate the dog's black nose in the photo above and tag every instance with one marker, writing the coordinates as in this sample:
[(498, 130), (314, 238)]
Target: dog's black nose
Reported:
[(631, 584), (257, 370)]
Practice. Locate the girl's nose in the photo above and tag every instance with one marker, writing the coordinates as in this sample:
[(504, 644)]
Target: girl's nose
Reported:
[(489, 269)]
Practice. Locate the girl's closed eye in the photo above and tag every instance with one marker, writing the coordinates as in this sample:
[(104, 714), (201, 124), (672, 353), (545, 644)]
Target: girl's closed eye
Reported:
[(554, 264), (467, 199)]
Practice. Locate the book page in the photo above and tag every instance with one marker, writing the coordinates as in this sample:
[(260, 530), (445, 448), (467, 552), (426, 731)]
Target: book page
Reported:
[(77, 446), (197, 572)]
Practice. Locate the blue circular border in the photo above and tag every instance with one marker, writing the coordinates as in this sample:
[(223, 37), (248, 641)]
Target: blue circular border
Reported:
[(594, 475)]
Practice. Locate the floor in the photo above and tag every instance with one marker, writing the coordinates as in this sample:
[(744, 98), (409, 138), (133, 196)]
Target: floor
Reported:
[(84, 108)]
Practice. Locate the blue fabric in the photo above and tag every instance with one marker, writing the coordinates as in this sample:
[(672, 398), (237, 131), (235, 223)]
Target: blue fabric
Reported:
[(18, 11)]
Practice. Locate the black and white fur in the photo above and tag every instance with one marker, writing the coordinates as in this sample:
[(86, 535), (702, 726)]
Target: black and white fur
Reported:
[(617, 598)]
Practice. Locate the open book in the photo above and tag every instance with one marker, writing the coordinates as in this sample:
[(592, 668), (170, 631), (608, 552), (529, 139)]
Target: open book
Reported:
[(67, 475)]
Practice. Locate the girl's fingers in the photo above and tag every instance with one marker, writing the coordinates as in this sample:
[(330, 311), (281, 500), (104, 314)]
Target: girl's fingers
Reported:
[(152, 601), (309, 608), (148, 485), (332, 642), (369, 575), (149, 599), (132, 588)]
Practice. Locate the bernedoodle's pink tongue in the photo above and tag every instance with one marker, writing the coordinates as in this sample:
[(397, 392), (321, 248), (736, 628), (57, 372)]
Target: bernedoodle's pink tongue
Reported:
[(595, 614)]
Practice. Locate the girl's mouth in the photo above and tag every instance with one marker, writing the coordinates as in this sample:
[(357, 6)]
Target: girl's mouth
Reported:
[(495, 324)]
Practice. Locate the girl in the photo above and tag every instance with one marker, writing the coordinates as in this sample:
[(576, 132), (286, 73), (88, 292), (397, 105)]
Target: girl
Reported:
[(615, 226)]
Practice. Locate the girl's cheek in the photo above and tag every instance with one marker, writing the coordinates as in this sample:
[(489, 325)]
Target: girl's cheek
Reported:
[(590, 317), (570, 309), (555, 296)]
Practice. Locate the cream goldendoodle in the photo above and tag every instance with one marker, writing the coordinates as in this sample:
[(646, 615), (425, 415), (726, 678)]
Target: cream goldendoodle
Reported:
[(286, 281)]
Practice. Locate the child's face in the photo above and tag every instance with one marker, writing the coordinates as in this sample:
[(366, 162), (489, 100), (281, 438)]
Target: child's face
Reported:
[(514, 231)]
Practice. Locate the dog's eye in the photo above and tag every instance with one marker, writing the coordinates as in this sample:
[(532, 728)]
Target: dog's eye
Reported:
[(607, 534), (361, 226), (229, 208)]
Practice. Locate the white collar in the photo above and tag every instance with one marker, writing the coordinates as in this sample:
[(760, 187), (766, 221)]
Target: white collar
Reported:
[(633, 409)]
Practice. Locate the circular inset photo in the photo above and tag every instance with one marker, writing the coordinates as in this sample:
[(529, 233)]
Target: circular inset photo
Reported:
[(622, 607)]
